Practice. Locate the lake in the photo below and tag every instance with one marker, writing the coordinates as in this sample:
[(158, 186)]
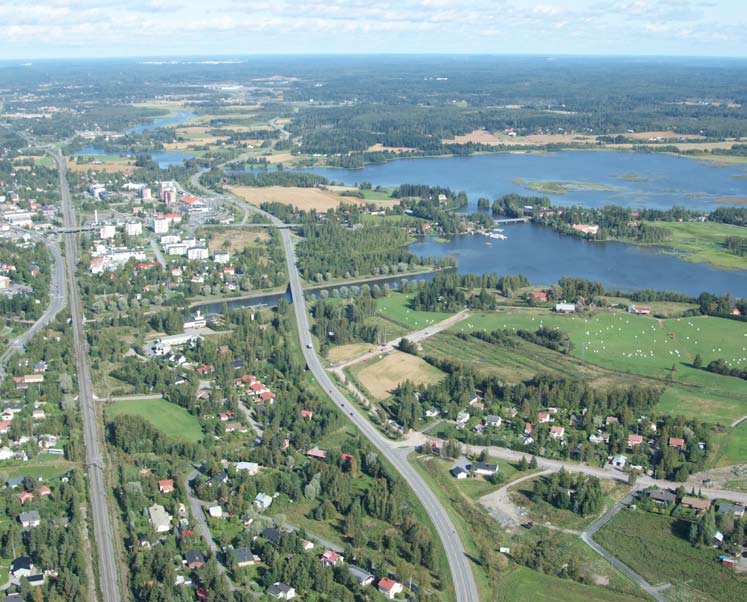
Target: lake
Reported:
[(164, 159), (634, 180), (172, 120), (544, 256)]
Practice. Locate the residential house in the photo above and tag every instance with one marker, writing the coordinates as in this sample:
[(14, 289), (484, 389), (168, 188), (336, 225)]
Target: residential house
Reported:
[(662, 497), (641, 310), (215, 512), (634, 440), (677, 443), (484, 469), (244, 557), (543, 417), (166, 486), (194, 559), (619, 461), (262, 501), (251, 468), (272, 535), (21, 567), (363, 578), (557, 432), (29, 520), (565, 308), (494, 421), (160, 520), (736, 509), (458, 472), (317, 454), (390, 588), (330, 558), (462, 418), (281, 591), (25, 496)]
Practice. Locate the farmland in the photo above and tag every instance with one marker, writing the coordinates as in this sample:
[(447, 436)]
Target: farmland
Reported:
[(381, 377), (646, 347), (168, 418), (656, 547), (395, 307)]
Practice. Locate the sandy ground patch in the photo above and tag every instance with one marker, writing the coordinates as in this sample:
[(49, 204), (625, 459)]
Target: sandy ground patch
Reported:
[(108, 167), (392, 149), (341, 353), (485, 137), (682, 146), (666, 134), (238, 237), (382, 377), (303, 198), (278, 157)]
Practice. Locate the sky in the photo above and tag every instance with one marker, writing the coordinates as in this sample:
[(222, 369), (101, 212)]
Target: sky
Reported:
[(34, 29)]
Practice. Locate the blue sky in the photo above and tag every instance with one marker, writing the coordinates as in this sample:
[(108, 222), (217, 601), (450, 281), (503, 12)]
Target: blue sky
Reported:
[(102, 28)]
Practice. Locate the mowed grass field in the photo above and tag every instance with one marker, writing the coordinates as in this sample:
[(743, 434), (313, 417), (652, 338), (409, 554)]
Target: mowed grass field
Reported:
[(394, 307), (172, 420), (645, 346), (705, 243), (381, 377), (655, 547)]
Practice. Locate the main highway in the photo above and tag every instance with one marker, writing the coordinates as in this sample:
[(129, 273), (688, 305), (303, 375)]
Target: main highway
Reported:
[(461, 573), (97, 488)]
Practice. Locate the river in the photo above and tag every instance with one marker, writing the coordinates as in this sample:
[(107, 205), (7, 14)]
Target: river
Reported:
[(177, 118)]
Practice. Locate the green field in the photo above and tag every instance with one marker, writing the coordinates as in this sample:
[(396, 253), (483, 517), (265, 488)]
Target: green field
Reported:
[(647, 347), (170, 419), (734, 449), (524, 585), (394, 307), (704, 243), (655, 547)]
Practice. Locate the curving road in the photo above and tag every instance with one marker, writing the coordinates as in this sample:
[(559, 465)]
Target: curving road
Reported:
[(56, 301), (102, 527), (461, 573)]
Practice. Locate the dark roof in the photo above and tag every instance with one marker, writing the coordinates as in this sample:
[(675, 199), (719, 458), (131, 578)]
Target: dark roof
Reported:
[(13, 598), (729, 507), (278, 588), (38, 578), (22, 562), (484, 466), (457, 470), (359, 574), (193, 556), (272, 535), (236, 364), (662, 495), (243, 555)]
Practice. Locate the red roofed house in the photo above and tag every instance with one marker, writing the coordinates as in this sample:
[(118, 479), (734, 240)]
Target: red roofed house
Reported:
[(390, 588), (166, 486), (641, 310), (25, 496), (189, 200), (677, 443), (543, 417), (528, 428), (346, 457), (307, 414), (266, 397), (331, 558), (634, 440), (539, 296), (258, 388), (4, 427), (44, 491), (226, 416), (735, 311), (557, 432)]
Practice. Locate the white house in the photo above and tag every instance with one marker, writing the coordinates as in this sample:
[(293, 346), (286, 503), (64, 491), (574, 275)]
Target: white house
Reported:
[(160, 520), (197, 253), (215, 512), (281, 591), (565, 308), (160, 225), (222, 256), (262, 501), (251, 468)]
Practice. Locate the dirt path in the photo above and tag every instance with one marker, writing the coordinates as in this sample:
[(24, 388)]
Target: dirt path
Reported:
[(414, 337), (500, 506)]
